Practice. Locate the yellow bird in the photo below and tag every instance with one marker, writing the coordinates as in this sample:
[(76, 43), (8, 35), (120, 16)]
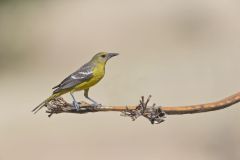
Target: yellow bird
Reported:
[(82, 79)]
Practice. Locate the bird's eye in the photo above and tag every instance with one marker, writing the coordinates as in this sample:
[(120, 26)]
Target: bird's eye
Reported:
[(103, 56)]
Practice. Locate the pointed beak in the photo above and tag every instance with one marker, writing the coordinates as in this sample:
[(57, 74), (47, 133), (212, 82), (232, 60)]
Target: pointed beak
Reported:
[(110, 55)]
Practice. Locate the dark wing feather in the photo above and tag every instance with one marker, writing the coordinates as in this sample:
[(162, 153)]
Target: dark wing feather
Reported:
[(81, 75)]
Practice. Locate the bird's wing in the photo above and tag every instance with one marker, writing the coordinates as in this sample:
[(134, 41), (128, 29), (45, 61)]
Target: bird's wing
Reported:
[(81, 75)]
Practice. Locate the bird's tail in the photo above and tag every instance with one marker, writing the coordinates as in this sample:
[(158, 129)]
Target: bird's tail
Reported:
[(41, 105)]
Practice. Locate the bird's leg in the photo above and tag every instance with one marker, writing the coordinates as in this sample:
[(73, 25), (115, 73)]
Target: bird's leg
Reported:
[(95, 104), (75, 103)]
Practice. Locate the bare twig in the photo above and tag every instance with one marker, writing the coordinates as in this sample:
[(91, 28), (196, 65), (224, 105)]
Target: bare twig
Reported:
[(153, 113)]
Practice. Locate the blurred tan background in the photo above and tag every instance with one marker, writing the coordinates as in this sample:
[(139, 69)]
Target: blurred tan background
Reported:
[(182, 52)]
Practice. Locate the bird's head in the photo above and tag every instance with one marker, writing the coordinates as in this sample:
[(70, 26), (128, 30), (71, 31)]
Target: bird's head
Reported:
[(103, 57)]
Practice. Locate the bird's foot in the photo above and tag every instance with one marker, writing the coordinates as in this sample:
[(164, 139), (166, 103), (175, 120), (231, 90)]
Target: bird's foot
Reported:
[(76, 105), (95, 106)]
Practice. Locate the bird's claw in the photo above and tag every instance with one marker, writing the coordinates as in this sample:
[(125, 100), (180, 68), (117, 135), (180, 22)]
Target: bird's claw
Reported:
[(76, 105), (96, 106)]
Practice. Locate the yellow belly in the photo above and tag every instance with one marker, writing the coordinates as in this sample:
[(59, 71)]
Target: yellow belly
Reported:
[(98, 74)]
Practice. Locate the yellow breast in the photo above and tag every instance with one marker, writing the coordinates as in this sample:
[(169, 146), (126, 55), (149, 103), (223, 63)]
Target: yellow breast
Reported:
[(98, 74)]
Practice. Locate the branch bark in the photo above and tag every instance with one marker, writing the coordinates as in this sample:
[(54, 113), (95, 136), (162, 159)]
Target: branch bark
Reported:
[(154, 113)]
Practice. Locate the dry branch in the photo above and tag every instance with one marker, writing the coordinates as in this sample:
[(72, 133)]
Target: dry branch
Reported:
[(154, 113)]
